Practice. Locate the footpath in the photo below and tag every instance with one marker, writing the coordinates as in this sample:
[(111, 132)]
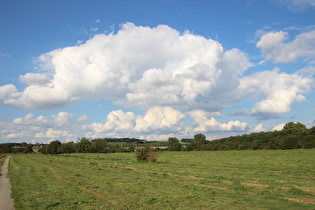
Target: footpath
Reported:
[(6, 202)]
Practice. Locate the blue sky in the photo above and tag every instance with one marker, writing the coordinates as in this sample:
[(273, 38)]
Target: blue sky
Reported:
[(154, 69)]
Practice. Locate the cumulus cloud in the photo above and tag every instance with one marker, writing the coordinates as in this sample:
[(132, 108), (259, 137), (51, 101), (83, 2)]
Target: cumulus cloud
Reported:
[(159, 119), (119, 121), (156, 120), (37, 97), (258, 128), (163, 67), (42, 128), (34, 79), (281, 90), (28, 120), (7, 90), (63, 119), (275, 48), (205, 124)]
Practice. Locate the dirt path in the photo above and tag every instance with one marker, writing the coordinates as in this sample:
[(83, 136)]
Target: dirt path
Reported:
[(6, 202)]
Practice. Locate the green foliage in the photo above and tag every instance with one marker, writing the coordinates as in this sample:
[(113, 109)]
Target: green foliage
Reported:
[(98, 146), (67, 148), (83, 145), (173, 144), (52, 148), (199, 140), (28, 149), (293, 136), (292, 125), (131, 149), (5, 148), (145, 154)]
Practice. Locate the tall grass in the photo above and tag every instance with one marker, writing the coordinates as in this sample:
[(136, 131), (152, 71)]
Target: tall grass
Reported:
[(179, 180)]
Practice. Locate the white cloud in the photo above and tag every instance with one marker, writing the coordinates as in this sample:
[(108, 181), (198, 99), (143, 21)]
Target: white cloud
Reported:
[(63, 119), (28, 120), (83, 118), (40, 97), (281, 90), (297, 5), (160, 119), (162, 68), (119, 121), (274, 48), (34, 79), (16, 135), (54, 134), (258, 128), (7, 90), (278, 127), (204, 124)]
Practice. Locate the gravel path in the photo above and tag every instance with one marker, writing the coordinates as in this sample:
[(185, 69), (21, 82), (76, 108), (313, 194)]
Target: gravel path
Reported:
[(6, 202)]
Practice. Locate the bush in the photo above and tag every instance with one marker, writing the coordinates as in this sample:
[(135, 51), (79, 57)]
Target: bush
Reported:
[(146, 154)]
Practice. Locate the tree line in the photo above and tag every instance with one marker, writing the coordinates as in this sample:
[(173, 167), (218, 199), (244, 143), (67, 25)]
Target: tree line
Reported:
[(83, 145), (292, 136)]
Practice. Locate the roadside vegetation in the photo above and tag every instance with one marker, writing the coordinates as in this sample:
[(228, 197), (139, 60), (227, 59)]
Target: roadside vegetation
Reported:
[(247, 179), (2, 159)]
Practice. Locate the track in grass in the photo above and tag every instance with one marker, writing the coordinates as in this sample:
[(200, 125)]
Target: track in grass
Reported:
[(193, 180)]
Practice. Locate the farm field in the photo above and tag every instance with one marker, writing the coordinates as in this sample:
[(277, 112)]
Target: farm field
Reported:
[(261, 179)]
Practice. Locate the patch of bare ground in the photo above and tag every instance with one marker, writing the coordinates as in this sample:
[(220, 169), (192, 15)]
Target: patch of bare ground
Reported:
[(6, 202), (258, 186), (310, 190), (302, 200)]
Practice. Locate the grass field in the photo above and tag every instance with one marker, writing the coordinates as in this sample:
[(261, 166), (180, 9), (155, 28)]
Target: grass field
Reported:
[(269, 179)]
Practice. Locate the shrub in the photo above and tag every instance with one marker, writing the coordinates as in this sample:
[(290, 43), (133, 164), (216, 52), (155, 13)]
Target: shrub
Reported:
[(146, 154)]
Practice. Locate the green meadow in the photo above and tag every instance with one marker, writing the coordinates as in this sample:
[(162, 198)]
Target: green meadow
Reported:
[(261, 179)]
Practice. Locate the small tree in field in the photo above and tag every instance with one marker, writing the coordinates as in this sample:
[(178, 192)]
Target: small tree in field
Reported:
[(199, 140), (54, 147), (146, 154), (83, 145)]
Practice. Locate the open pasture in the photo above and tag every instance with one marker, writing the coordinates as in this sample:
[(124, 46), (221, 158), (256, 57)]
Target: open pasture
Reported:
[(265, 179)]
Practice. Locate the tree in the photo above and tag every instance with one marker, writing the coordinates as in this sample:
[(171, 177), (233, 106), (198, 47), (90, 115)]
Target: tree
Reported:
[(6, 148), (67, 148), (54, 147), (98, 146), (83, 145), (173, 144), (28, 149), (292, 125), (199, 140)]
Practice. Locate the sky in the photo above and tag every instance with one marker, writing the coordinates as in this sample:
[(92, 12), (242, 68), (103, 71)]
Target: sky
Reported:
[(154, 69)]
